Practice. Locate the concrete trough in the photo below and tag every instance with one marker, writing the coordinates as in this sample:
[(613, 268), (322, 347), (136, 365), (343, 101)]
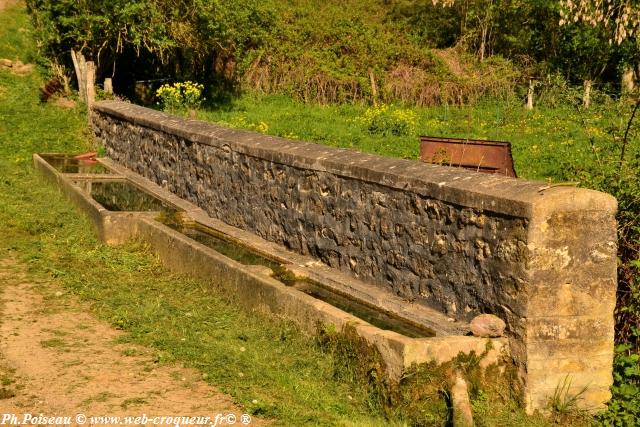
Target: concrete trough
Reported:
[(254, 288)]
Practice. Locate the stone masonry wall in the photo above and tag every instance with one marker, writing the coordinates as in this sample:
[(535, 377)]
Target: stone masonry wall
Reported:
[(464, 242)]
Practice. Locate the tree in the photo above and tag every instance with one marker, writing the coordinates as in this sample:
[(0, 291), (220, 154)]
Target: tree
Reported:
[(477, 14), (143, 39), (622, 17)]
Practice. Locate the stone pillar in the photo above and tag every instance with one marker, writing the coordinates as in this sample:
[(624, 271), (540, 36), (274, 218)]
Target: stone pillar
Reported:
[(571, 294)]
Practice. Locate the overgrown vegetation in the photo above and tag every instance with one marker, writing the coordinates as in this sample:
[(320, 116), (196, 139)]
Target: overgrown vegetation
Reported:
[(421, 397), (420, 52), (309, 49)]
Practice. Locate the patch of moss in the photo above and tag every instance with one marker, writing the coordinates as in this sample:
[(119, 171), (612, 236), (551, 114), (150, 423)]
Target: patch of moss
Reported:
[(284, 275), (421, 396), (418, 399)]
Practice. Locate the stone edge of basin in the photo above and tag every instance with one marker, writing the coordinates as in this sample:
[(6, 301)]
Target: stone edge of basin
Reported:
[(495, 193), (112, 229)]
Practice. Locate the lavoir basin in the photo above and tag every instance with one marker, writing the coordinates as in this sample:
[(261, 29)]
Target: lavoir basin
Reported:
[(260, 274)]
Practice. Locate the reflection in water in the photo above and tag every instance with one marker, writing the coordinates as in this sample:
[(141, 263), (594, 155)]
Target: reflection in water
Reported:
[(122, 196), (246, 256), (228, 249), (215, 241), (67, 164), (368, 314)]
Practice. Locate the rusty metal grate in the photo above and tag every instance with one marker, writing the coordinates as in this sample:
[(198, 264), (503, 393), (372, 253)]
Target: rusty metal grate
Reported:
[(478, 155)]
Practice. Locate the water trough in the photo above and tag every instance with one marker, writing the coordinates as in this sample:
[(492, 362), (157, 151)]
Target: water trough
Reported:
[(259, 274)]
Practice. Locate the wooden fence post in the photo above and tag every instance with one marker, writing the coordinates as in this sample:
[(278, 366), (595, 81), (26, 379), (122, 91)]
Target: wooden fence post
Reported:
[(85, 73), (374, 88), (586, 98), (108, 85), (90, 83), (530, 95)]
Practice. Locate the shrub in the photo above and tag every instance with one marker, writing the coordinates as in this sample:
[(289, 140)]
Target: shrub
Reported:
[(341, 52), (144, 39), (180, 96), (624, 408), (389, 121)]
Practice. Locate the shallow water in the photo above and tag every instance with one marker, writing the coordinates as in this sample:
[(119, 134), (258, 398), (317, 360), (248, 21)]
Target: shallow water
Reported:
[(122, 196), (369, 314), (229, 249), (246, 256), (65, 163), (213, 240)]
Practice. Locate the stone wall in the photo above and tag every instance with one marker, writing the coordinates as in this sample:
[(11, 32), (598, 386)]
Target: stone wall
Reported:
[(543, 259)]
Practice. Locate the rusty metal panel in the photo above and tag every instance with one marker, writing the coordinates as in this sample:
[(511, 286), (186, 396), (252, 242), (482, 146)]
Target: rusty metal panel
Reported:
[(478, 155)]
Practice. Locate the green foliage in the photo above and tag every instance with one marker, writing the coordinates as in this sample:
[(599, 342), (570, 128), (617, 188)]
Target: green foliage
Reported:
[(180, 96), (556, 92), (583, 50), (324, 52), (141, 38), (624, 408), (329, 51), (427, 24), (101, 29), (527, 32)]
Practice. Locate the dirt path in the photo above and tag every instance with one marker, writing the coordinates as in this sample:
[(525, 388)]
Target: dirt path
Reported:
[(58, 360)]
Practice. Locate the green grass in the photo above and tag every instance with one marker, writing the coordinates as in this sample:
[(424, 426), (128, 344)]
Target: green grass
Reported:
[(54, 343), (100, 397), (132, 402), (264, 362), (544, 141)]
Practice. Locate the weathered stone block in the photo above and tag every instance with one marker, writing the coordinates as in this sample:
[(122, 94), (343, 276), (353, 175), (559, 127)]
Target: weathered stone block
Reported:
[(558, 349), (558, 328)]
